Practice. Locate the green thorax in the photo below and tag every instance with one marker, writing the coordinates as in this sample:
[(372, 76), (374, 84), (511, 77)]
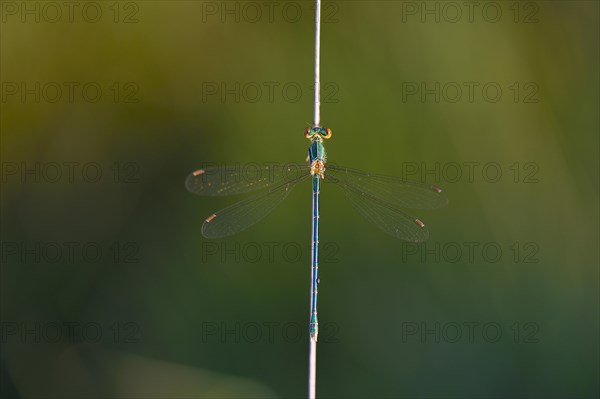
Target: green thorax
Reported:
[(316, 151)]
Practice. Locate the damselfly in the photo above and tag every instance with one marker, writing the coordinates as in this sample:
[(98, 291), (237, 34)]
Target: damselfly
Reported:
[(380, 199)]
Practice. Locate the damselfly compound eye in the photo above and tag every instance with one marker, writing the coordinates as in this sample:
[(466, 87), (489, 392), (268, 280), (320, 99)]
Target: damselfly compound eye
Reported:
[(308, 132), (328, 133)]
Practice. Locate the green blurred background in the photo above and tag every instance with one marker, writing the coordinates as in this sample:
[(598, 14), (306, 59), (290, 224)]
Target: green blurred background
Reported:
[(162, 312)]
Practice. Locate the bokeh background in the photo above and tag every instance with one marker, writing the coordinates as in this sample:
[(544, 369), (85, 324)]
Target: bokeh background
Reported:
[(109, 289)]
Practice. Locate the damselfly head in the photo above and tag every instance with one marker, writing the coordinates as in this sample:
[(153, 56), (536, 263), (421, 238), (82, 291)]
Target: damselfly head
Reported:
[(317, 132)]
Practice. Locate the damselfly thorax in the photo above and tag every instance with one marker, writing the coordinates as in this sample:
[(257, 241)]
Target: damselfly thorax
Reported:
[(317, 157)]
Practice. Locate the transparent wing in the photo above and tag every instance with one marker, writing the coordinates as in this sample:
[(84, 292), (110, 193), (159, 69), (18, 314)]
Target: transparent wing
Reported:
[(240, 216), (392, 190), (384, 215), (242, 178)]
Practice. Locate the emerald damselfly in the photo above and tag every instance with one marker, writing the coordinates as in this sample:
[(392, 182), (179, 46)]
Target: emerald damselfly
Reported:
[(380, 199)]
